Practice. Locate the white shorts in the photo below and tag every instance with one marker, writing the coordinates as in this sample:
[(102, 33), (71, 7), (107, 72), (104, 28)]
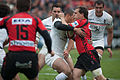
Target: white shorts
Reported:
[(48, 59), (2, 55), (98, 43)]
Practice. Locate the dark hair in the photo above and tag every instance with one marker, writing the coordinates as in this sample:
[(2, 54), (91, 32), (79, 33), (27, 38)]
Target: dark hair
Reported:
[(4, 10), (23, 5), (69, 11), (99, 2), (58, 5), (83, 10)]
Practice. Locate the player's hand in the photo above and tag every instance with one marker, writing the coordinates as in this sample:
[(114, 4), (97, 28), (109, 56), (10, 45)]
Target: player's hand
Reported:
[(110, 51), (66, 53), (90, 41), (61, 15), (79, 32), (52, 53), (36, 42)]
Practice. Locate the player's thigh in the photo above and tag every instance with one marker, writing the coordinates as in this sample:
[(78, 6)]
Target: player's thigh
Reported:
[(70, 62), (61, 66)]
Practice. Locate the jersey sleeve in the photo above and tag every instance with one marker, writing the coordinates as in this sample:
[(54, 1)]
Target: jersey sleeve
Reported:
[(109, 22), (77, 23), (40, 25)]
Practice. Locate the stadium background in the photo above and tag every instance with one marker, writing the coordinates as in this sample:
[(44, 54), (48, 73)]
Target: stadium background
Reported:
[(41, 8)]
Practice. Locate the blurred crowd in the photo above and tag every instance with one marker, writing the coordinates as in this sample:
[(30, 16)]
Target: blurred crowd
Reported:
[(41, 8)]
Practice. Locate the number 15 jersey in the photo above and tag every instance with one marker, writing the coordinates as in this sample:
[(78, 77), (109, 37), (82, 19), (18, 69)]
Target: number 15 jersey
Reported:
[(21, 30)]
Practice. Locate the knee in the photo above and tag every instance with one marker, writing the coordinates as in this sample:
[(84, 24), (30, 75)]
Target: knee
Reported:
[(75, 75)]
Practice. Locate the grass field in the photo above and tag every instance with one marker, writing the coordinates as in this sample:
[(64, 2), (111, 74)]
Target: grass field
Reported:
[(110, 67)]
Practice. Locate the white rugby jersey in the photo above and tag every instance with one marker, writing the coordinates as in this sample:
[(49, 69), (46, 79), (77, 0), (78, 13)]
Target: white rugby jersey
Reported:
[(98, 24), (3, 36), (59, 37), (47, 22)]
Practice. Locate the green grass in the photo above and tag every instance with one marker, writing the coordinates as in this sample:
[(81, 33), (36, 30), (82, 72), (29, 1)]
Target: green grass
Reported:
[(110, 67)]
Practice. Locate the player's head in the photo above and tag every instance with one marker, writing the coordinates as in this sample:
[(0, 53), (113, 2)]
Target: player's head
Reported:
[(4, 10), (99, 7), (69, 15), (56, 9), (23, 5), (80, 13)]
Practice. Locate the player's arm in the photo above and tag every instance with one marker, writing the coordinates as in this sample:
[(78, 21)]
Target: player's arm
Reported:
[(6, 42), (109, 40), (110, 35), (69, 47), (59, 25)]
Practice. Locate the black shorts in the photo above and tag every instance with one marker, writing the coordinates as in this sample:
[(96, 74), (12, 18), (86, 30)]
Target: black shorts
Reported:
[(88, 62), (99, 47), (25, 62)]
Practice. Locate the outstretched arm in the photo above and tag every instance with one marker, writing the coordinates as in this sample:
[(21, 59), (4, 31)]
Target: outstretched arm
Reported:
[(109, 40)]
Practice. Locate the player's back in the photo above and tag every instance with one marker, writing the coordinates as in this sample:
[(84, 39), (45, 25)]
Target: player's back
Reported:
[(21, 31)]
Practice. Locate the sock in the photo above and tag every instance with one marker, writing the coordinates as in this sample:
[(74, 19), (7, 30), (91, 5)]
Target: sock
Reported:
[(84, 77), (61, 76)]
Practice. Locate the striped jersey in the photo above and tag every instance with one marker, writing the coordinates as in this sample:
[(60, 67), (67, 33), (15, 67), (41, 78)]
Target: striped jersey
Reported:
[(98, 24)]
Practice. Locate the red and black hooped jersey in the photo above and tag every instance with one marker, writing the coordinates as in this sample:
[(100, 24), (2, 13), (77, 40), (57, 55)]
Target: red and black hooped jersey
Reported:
[(82, 42), (22, 28)]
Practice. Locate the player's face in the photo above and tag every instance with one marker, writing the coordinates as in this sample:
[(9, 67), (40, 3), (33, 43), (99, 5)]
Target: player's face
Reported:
[(99, 10), (56, 11), (69, 18), (77, 15)]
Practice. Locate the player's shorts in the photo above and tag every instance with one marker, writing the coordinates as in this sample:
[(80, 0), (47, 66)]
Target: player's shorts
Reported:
[(25, 62), (48, 59), (2, 55), (98, 44), (88, 62)]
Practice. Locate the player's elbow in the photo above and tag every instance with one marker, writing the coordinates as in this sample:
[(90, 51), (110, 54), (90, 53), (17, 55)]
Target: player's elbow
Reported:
[(57, 24)]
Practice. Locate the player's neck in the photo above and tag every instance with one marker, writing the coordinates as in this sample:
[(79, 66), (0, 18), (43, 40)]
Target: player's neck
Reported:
[(98, 14)]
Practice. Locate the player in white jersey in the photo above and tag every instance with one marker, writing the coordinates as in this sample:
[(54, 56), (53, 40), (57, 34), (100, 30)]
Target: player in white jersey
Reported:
[(59, 38), (4, 11), (101, 20)]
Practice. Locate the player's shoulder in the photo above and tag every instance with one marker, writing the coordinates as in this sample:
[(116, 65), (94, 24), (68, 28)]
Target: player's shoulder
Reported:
[(107, 15), (47, 19), (91, 11)]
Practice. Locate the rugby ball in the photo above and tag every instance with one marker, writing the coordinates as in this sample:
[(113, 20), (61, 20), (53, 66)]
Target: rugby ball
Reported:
[(70, 34)]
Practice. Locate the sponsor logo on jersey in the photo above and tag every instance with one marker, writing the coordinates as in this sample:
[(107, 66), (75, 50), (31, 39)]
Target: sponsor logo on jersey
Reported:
[(74, 24), (26, 21), (21, 43)]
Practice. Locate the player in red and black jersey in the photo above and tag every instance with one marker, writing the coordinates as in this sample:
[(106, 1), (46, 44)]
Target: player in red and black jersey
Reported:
[(88, 59), (22, 28)]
